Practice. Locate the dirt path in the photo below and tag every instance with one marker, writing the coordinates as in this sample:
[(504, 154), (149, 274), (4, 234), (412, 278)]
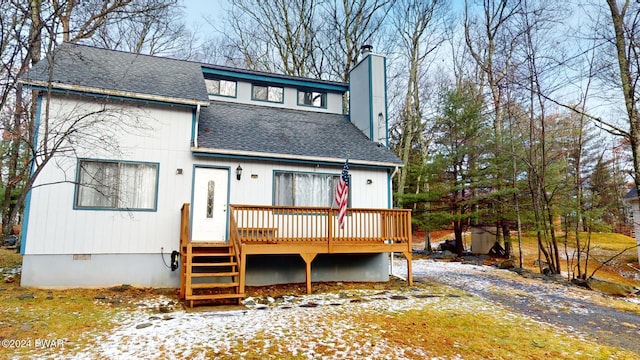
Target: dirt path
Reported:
[(570, 308)]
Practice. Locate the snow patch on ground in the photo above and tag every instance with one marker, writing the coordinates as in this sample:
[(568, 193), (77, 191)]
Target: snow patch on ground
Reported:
[(310, 326)]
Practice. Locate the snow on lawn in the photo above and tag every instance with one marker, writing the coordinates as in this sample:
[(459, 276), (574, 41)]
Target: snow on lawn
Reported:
[(308, 326), (313, 325)]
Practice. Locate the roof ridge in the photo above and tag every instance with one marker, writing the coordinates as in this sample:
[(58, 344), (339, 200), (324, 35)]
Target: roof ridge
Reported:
[(207, 65), (124, 52)]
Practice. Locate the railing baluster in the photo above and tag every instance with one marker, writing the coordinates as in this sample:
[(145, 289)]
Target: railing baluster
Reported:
[(271, 224)]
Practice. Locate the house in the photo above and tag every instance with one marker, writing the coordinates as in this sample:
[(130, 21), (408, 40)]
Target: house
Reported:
[(632, 198), (153, 135)]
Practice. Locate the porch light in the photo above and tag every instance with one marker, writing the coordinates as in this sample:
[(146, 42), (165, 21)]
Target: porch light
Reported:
[(238, 172)]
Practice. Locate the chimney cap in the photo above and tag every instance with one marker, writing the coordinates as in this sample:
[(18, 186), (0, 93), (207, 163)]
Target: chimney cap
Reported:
[(366, 48)]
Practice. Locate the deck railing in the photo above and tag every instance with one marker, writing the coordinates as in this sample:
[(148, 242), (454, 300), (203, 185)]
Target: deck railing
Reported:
[(280, 224), (233, 235), (306, 231)]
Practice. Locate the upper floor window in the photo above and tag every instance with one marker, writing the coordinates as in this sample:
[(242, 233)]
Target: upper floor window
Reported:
[(221, 87), (117, 185), (312, 98), (268, 93)]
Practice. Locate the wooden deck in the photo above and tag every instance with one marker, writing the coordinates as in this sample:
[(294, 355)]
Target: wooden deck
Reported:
[(305, 231)]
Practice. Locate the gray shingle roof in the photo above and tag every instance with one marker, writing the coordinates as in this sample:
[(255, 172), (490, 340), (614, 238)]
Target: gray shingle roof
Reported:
[(253, 128), (109, 71)]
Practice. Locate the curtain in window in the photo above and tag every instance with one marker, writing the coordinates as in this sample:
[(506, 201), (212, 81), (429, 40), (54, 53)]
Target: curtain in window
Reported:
[(137, 186), (312, 190), (283, 194), (103, 184), (97, 184), (304, 189)]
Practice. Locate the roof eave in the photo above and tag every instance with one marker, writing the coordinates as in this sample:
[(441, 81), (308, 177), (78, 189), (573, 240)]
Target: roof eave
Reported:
[(291, 157), (117, 93)]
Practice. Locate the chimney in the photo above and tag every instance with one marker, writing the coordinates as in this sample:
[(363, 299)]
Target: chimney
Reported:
[(368, 96), (366, 50)]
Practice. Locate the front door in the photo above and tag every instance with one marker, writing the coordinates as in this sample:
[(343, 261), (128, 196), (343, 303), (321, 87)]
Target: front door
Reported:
[(210, 200)]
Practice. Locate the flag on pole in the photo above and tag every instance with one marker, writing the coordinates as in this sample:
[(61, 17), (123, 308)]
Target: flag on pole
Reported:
[(342, 194)]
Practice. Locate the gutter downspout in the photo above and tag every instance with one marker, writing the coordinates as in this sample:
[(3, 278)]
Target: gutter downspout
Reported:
[(195, 130), (395, 171)]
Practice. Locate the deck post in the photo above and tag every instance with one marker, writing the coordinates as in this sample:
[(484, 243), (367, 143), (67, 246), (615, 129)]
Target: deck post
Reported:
[(188, 277), (407, 254), (243, 269), (184, 243), (330, 231), (308, 258)]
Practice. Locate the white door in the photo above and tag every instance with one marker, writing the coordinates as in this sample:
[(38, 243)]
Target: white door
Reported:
[(209, 211)]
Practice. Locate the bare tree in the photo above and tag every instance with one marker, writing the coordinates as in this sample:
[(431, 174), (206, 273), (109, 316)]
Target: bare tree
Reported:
[(28, 31), (154, 30), (625, 22), (417, 26), (491, 38), (349, 25), (281, 37)]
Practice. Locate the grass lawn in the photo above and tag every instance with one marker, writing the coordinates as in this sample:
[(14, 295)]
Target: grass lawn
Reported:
[(603, 247), (80, 316)]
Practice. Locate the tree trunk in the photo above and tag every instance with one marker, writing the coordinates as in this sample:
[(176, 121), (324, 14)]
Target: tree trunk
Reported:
[(627, 81), (8, 219)]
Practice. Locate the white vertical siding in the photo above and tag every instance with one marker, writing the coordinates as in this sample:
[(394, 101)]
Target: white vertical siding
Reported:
[(258, 189), (55, 227)]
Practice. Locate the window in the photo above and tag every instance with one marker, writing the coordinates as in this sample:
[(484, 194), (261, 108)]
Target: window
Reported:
[(312, 98), (268, 93), (305, 189), (117, 185), (221, 87)]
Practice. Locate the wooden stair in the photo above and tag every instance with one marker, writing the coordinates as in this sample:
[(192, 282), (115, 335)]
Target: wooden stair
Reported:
[(210, 273)]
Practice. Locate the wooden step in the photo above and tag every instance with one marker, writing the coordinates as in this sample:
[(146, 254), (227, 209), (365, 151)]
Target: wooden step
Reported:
[(213, 274), (221, 244), (216, 274), (214, 285), (215, 296), (203, 254), (214, 264)]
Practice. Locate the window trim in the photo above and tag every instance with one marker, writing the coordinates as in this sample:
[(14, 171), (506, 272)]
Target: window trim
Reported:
[(235, 95), (253, 85), (98, 208), (324, 96), (333, 175)]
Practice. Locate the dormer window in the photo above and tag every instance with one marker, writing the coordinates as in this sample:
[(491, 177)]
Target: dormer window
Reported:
[(312, 98), (268, 93), (221, 87)]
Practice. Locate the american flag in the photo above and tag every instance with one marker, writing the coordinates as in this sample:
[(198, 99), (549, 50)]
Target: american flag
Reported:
[(342, 194)]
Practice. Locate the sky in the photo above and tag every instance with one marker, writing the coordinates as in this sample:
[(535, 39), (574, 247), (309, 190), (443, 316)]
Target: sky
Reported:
[(197, 10)]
